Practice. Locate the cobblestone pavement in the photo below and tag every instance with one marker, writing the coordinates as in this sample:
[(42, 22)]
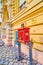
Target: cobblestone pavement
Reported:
[(8, 57)]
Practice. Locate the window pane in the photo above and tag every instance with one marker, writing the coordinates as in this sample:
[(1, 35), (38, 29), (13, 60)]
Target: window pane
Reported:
[(22, 3)]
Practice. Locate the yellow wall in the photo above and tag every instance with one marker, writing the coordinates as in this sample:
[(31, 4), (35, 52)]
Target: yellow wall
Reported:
[(31, 17), (36, 30), (14, 7), (32, 3), (35, 22), (5, 12)]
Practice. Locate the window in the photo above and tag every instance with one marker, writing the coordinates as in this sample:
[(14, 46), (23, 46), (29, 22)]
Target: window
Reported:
[(22, 3)]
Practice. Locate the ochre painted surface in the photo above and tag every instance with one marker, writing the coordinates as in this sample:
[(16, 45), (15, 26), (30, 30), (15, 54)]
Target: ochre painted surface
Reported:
[(32, 17)]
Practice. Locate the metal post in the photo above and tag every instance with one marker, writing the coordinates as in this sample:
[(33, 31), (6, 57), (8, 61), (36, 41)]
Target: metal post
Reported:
[(30, 53), (19, 51)]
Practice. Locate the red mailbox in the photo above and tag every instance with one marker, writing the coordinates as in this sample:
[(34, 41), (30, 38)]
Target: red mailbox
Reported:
[(24, 34)]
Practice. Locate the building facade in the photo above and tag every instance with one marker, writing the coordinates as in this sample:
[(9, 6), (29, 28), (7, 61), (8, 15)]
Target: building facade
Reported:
[(31, 16)]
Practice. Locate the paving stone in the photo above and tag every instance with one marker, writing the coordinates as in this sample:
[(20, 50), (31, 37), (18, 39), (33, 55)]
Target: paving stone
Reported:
[(24, 61), (6, 59), (10, 60), (20, 63), (8, 56), (38, 64), (1, 61), (27, 62), (11, 63), (6, 63), (15, 64)]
